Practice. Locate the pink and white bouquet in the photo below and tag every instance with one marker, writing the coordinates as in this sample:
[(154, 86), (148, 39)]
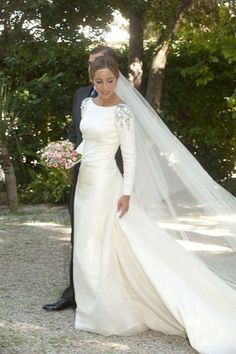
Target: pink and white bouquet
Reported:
[(60, 154)]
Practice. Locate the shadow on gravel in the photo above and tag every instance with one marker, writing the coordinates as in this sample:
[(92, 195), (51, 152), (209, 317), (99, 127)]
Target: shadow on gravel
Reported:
[(35, 256)]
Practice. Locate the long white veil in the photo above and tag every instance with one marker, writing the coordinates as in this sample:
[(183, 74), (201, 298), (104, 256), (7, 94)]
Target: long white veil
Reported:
[(172, 187)]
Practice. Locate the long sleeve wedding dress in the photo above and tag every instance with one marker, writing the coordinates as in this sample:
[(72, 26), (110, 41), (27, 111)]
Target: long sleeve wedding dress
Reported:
[(129, 273)]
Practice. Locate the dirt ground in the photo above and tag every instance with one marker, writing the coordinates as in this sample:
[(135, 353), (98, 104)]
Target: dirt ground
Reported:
[(34, 268)]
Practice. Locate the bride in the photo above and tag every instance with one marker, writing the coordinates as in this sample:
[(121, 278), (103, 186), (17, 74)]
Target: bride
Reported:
[(134, 234)]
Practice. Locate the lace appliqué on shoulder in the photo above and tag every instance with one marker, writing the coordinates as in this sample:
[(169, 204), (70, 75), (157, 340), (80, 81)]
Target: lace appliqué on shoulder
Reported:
[(83, 104), (124, 116)]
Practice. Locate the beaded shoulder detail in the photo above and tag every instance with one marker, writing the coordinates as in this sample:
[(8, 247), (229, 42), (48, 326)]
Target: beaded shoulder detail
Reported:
[(83, 104), (123, 115)]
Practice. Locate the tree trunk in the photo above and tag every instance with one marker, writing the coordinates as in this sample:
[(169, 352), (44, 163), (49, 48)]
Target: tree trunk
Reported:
[(156, 77), (157, 71), (135, 54), (5, 37), (10, 178)]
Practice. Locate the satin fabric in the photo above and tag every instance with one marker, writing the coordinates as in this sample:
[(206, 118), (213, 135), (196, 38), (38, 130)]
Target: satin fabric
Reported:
[(129, 274)]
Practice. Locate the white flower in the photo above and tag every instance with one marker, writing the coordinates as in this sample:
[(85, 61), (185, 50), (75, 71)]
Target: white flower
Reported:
[(60, 154)]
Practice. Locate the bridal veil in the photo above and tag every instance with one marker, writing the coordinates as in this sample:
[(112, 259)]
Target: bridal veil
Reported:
[(173, 188)]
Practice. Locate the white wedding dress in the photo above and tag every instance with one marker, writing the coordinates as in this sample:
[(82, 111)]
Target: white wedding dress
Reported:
[(129, 273)]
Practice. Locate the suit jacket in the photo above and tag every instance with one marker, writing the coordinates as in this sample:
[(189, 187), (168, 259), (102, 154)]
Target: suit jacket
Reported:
[(74, 133)]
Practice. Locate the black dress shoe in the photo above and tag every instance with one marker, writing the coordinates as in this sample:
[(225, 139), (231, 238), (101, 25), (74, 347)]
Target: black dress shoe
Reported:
[(61, 304)]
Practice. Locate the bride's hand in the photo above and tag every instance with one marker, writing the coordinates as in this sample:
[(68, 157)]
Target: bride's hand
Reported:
[(123, 205)]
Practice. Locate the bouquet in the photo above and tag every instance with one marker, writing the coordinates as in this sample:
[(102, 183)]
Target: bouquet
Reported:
[(60, 154)]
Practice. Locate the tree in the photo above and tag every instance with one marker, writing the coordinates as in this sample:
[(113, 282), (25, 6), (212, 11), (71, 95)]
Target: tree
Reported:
[(197, 111), (199, 95), (164, 18), (159, 60), (135, 53), (5, 133), (43, 20), (134, 12), (45, 73)]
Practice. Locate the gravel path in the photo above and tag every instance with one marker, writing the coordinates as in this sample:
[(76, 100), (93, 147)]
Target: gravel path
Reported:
[(35, 252)]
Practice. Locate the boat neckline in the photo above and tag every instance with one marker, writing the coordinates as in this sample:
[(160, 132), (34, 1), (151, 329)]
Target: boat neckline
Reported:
[(98, 105)]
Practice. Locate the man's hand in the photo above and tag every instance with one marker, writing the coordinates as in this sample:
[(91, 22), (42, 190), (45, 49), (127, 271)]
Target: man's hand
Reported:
[(123, 205)]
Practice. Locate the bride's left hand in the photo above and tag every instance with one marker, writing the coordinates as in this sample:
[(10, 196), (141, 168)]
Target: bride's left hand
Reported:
[(123, 205)]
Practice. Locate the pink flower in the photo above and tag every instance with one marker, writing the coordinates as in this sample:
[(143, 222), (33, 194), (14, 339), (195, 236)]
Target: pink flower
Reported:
[(60, 154), (67, 165)]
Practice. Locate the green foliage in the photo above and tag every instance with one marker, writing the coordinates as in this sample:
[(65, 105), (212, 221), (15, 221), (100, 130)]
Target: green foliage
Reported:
[(24, 21), (197, 108), (44, 78), (49, 185), (232, 104), (199, 102)]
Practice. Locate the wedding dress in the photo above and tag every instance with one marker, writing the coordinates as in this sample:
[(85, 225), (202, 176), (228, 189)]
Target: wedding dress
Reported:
[(130, 273)]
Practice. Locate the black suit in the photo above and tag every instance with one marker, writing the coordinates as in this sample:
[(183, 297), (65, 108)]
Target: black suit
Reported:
[(75, 136)]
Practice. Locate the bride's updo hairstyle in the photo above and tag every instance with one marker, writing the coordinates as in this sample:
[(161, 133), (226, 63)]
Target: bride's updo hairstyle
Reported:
[(104, 62)]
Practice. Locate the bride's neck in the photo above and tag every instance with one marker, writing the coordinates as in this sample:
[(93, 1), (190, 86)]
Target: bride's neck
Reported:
[(111, 101)]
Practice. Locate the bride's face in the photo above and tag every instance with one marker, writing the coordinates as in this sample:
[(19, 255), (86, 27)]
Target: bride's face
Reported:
[(105, 83)]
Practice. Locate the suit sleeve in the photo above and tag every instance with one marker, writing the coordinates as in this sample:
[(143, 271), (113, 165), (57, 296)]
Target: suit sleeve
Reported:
[(124, 121), (72, 128)]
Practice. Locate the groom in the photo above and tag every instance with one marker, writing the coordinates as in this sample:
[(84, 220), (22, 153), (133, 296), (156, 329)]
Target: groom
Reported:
[(67, 298)]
